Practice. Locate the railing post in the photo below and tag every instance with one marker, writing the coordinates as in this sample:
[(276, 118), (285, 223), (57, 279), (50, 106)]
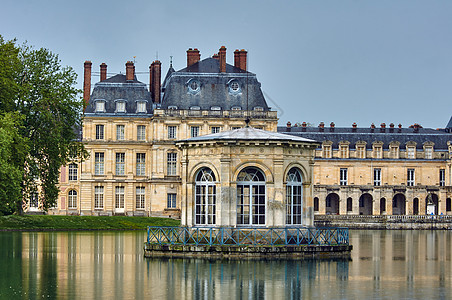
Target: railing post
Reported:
[(149, 238)]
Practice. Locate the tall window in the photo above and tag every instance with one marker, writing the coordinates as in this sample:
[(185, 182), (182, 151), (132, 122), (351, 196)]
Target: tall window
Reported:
[(205, 197), (120, 163), (34, 200), (73, 170), (428, 153), (141, 164), (99, 132), (394, 151), (251, 197), (410, 177), (72, 199), (215, 129), (171, 163), (377, 177), (410, 153), (442, 177), (98, 197), (99, 163), (343, 176), (141, 132), (171, 200), (119, 197), (172, 132), (120, 132), (140, 197), (194, 131), (294, 197)]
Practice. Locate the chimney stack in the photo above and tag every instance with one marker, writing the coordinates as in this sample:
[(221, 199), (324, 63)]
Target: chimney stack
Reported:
[(354, 126), (87, 82), (216, 56), (332, 126), (155, 80), (103, 71), (240, 59), (193, 56), (130, 71), (303, 126), (222, 54), (289, 126)]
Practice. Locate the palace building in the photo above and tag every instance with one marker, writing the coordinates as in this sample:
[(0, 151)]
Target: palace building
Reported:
[(202, 147), (205, 147), (380, 171)]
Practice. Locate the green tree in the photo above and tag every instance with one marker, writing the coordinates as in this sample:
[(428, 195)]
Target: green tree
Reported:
[(37, 87)]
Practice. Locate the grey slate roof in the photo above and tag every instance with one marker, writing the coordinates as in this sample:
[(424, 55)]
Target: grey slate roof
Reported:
[(249, 133), (117, 88), (449, 125), (214, 88), (403, 135)]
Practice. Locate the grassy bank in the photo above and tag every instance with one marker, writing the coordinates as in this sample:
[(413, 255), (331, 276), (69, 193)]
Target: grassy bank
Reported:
[(81, 223)]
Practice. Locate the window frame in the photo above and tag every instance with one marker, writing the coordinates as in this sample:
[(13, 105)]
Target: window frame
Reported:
[(171, 164), (120, 159), (343, 176), (171, 200), (140, 197), (100, 130), (141, 164), (73, 172), (411, 177), (120, 132), (141, 132), (99, 160)]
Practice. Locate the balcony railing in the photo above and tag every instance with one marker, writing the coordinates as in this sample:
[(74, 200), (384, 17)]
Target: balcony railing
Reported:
[(231, 236)]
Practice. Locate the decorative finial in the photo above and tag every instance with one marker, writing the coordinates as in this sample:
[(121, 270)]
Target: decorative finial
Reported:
[(171, 61)]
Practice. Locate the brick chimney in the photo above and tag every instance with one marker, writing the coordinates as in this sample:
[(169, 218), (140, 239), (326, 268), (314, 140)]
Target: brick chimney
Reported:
[(216, 56), (354, 126), (222, 54), (87, 82), (240, 59), (332, 126), (193, 56), (382, 127), (130, 74), (155, 80), (103, 71), (321, 126)]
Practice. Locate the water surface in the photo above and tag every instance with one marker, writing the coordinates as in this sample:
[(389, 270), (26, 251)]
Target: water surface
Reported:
[(105, 265)]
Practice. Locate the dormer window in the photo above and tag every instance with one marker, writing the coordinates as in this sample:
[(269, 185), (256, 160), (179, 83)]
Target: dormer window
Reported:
[(172, 107), (258, 108), (195, 108), (141, 106), (120, 106), (193, 86), (100, 105), (236, 108), (234, 86), (215, 108)]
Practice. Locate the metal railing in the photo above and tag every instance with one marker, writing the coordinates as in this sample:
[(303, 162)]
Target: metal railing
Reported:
[(231, 236)]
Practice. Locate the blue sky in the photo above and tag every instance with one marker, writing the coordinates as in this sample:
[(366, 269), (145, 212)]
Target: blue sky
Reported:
[(331, 61)]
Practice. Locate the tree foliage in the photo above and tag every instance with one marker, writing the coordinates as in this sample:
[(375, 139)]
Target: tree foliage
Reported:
[(45, 107)]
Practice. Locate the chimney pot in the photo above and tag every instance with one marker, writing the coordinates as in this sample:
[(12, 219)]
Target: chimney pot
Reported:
[(372, 126), (383, 125), (304, 125), (391, 125), (332, 124), (289, 124), (354, 125), (400, 126), (322, 125)]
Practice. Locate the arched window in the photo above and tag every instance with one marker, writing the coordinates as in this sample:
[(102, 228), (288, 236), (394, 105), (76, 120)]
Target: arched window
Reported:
[(294, 197), (72, 199), (205, 197), (251, 197)]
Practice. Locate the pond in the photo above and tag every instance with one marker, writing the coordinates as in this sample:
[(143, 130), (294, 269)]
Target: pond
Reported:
[(110, 265)]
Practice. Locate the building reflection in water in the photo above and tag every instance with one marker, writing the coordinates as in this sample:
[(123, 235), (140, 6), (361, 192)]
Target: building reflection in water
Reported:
[(105, 265)]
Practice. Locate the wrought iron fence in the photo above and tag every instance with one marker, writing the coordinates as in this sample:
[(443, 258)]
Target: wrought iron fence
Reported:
[(231, 236)]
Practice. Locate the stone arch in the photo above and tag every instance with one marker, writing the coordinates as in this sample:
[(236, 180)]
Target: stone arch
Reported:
[(349, 204), (332, 204), (304, 173), (365, 204), (266, 170), (196, 168), (431, 204), (399, 204)]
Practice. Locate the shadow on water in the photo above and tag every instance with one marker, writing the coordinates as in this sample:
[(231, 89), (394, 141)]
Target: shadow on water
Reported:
[(110, 265)]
